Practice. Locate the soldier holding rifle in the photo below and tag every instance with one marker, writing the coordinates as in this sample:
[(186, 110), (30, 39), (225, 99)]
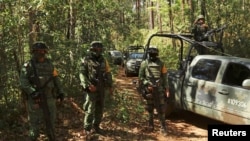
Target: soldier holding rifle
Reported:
[(95, 77), (200, 28), (40, 82), (153, 78)]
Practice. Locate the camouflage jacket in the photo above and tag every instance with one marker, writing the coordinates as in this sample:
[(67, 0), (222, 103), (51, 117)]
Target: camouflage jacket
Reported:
[(150, 71), (44, 71), (199, 31), (94, 71)]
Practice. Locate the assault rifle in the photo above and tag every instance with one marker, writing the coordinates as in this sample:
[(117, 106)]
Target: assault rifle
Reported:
[(216, 46), (147, 94), (215, 30), (44, 104), (98, 81)]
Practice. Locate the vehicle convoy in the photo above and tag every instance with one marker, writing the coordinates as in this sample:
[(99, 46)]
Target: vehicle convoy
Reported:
[(213, 85), (132, 59), (116, 57)]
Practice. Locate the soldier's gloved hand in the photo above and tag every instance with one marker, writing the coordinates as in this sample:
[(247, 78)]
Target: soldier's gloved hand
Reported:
[(150, 88), (204, 25), (35, 95), (167, 92), (60, 96)]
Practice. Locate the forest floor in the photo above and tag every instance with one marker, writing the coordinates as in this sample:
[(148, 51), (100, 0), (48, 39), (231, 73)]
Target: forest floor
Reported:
[(124, 120)]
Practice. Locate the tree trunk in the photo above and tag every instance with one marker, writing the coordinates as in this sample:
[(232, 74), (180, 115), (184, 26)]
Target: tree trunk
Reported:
[(151, 16)]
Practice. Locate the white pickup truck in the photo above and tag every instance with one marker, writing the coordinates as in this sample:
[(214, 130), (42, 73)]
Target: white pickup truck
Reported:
[(216, 86)]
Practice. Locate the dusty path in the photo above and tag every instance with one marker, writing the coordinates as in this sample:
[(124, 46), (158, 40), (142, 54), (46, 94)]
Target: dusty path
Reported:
[(182, 125)]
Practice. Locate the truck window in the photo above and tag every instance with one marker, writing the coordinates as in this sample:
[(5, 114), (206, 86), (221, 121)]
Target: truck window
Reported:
[(206, 69), (235, 74)]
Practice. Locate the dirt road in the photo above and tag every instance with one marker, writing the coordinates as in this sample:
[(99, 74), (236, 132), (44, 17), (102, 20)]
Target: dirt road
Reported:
[(124, 120), (182, 125)]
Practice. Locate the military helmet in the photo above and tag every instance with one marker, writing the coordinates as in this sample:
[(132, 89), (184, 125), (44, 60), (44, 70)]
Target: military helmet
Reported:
[(200, 17), (153, 50), (39, 46), (96, 44), (96, 48)]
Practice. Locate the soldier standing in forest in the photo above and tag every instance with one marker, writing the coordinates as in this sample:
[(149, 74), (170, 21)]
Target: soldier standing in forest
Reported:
[(199, 30), (153, 78), (95, 76), (40, 82)]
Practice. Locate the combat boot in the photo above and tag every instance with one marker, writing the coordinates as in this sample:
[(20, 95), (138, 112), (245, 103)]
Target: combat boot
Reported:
[(163, 129), (98, 130), (86, 132)]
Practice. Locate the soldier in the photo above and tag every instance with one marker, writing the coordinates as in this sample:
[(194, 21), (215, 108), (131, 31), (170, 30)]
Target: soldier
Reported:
[(95, 77), (153, 77), (39, 78), (199, 29)]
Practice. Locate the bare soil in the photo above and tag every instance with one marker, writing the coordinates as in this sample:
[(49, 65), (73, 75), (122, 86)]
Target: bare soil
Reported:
[(181, 125)]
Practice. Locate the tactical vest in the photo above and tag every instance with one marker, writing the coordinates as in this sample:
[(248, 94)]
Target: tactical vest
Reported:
[(200, 32), (96, 70), (44, 72), (153, 70)]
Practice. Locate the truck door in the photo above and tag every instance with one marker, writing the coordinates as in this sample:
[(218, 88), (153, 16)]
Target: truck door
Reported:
[(232, 99), (200, 87)]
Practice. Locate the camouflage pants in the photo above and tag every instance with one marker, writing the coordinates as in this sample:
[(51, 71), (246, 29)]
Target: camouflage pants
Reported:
[(160, 100), (35, 116), (158, 104), (93, 109)]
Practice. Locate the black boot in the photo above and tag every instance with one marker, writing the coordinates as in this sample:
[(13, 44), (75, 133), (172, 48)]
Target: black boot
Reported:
[(98, 130), (163, 130), (163, 126)]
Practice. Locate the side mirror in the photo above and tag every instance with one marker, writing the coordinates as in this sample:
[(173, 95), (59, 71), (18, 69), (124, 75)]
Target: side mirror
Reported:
[(246, 84)]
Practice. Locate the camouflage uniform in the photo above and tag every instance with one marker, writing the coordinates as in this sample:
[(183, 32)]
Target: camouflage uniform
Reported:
[(150, 71), (52, 90), (199, 30), (94, 71)]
